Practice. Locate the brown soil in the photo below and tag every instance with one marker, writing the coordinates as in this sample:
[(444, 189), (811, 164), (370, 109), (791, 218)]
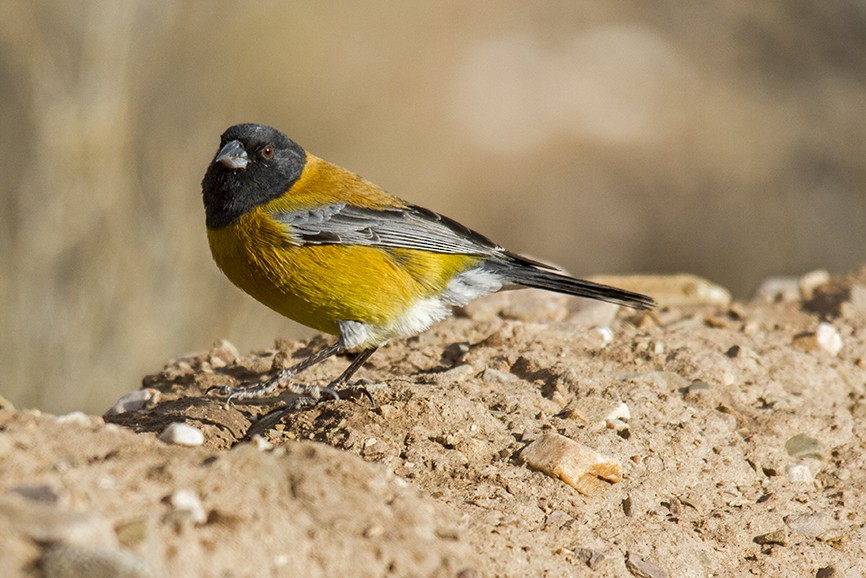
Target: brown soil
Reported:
[(744, 454)]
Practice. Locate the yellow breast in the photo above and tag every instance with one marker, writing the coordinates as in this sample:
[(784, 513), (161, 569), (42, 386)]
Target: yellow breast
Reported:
[(319, 285)]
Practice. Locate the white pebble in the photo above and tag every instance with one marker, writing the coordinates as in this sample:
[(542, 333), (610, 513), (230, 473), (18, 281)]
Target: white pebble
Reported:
[(76, 418), (811, 281), (134, 400), (828, 338), (620, 412), (181, 434), (261, 443), (779, 289), (188, 501), (616, 425), (606, 334), (800, 473)]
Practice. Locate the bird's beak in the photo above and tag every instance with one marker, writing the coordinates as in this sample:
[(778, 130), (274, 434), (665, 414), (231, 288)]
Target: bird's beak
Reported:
[(233, 155)]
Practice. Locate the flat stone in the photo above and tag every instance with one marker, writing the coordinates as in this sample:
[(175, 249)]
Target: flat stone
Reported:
[(582, 468)]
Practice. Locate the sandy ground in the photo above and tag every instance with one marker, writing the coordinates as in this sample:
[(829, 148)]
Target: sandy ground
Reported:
[(742, 452)]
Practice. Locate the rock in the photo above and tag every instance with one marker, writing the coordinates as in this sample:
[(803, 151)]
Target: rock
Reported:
[(694, 387), (580, 467), (828, 338), (46, 522), (222, 354), (778, 538), (187, 502), (598, 413), (495, 375), (592, 558), (181, 434), (811, 281), (671, 290), (41, 493), (605, 333), (67, 561), (641, 568), (811, 525), (135, 400), (803, 446), (261, 443), (825, 338), (79, 418), (800, 473), (778, 289)]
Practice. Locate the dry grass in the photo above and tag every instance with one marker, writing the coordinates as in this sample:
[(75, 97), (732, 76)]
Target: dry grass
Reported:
[(725, 139)]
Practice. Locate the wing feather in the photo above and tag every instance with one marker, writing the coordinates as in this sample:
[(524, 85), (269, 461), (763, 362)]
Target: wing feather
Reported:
[(408, 227)]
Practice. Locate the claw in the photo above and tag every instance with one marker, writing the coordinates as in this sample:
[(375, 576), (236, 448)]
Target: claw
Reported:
[(332, 392), (222, 389), (356, 390)]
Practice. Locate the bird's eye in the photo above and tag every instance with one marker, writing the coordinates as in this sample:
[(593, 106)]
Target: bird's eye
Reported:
[(267, 152)]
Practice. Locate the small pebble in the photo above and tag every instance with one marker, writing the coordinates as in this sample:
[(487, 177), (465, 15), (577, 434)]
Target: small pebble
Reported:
[(582, 468), (188, 501), (590, 557), (811, 281), (616, 425), (134, 401), (223, 353), (779, 289), (800, 473), (641, 568), (491, 374), (694, 387), (825, 572), (181, 434), (779, 538), (67, 561), (803, 446), (49, 522), (374, 531), (811, 525), (606, 334), (41, 493), (134, 532), (828, 338), (597, 412), (261, 443), (628, 506), (77, 418)]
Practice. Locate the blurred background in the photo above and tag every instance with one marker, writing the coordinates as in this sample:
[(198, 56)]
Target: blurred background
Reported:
[(726, 139)]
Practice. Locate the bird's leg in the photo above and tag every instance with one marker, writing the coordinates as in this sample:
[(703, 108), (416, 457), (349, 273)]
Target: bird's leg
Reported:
[(349, 372), (284, 377)]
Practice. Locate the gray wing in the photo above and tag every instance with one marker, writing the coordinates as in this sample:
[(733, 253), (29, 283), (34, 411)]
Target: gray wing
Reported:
[(409, 227)]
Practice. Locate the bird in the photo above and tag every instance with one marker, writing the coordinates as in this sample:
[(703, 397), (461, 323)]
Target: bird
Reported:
[(328, 249)]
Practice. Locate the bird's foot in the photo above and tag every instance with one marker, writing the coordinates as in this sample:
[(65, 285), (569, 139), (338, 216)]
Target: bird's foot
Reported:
[(355, 390), (232, 394)]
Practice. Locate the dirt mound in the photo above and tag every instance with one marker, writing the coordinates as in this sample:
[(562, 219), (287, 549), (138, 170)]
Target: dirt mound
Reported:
[(738, 429)]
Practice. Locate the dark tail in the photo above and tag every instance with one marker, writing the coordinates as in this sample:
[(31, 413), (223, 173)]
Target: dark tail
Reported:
[(523, 271)]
